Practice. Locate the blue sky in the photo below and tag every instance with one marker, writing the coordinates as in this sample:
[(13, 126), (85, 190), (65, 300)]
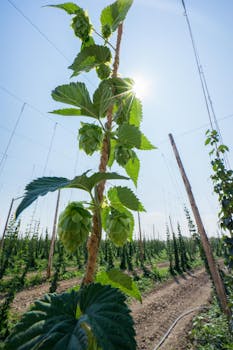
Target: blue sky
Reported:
[(156, 45)]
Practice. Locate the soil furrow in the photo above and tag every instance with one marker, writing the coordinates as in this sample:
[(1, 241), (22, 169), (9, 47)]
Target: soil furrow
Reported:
[(160, 309)]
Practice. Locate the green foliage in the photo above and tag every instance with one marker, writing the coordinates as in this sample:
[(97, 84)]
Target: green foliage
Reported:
[(223, 186), (118, 279), (74, 226), (43, 185), (103, 71), (122, 154), (40, 187), (210, 330), (72, 320), (126, 197), (69, 7), (91, 57), (90, 138), (130, 136), (113, 15), (118, 227), (81, 25), (132, 168), (75, 94)]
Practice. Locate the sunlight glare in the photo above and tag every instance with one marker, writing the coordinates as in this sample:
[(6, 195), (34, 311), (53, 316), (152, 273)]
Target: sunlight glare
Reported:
[(140, 87)]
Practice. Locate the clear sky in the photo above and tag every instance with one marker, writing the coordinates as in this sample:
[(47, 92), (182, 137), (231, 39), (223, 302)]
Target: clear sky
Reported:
[(156, 46)]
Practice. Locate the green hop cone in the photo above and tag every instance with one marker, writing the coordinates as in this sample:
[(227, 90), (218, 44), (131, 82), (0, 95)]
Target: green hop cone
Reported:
[(118, 227), (123, 154), (81, 25), (74, 226), (106, 31), (90, 138), (103, 71)]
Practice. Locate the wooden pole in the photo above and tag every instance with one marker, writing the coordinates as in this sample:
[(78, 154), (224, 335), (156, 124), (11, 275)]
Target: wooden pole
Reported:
[(51, 251), (218, 283)]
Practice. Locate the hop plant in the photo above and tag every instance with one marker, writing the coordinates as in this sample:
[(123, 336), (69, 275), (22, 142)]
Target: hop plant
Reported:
[(103, 71), (90, 138), (123, 154), (118, 227), (81, 25), (106, 31), (74, 226)]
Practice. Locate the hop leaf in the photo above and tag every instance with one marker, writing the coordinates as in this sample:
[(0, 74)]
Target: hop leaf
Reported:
[(90, 138), (74, 226), (73, 320)]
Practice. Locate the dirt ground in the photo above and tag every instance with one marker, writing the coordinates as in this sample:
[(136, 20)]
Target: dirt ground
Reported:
[(157, 312), (161, 308)]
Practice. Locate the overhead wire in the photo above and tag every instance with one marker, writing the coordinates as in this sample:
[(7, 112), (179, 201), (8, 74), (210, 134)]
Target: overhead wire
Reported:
[(208, 101), (50, 148), (10, 93), (37, 29), (12, 133), (44, 35)]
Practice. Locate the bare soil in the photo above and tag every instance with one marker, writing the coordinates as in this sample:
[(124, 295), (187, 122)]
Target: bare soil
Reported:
[(163, 306), (156, 314)]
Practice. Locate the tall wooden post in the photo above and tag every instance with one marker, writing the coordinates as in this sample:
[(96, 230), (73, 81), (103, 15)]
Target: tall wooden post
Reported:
[(218, 283), (52, 244)]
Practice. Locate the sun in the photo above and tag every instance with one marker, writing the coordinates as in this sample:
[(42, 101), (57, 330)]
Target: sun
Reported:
[(140, 87)]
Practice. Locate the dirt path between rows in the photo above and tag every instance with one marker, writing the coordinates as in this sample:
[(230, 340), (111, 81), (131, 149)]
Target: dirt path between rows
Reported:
[(157, 312), (161, 307)]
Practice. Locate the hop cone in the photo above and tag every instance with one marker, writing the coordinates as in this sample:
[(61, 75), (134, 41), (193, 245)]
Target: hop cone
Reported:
[(74, 226), (123, 155), (81, 25), (118, 227), (90, 138)]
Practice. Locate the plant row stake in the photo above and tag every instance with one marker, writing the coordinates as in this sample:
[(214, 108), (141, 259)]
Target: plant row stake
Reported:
[(218, 283)]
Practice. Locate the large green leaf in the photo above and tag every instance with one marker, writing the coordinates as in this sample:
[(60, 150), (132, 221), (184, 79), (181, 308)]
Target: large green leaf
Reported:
[(71, 320), (135, 117), (146, 144), (125, 196), (68, 112), (50, 325), (103, 98), (40, 187), (43, 185), (98, 177), (132, 168), (114, 14), (75, 94), (119, 279), (130, 136), (105, 311), (90, 57), (69, 7)]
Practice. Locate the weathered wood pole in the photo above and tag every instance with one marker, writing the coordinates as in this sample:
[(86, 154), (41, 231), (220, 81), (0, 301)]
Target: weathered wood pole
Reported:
[(52, 244), (218, 283)]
